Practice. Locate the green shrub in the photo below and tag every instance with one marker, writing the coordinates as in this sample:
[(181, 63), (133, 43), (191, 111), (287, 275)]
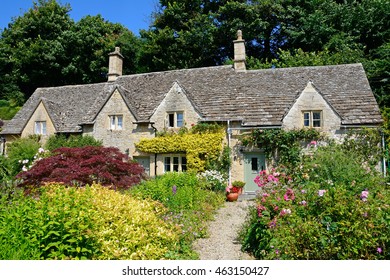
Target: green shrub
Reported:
[(333, 208), (16, 223), (21, 152), (59, 141), (84, 223)]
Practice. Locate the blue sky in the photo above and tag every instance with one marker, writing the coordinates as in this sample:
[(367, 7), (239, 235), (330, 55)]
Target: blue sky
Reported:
[(134, 14)]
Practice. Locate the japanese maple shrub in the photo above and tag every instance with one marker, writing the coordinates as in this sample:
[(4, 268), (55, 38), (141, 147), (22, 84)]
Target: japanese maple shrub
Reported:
[(86, 165)]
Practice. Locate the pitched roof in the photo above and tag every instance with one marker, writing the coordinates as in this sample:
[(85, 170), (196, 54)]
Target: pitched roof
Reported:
[(256, 97)]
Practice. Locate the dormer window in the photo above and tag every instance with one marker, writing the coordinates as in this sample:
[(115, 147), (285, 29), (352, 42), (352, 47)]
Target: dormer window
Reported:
[(312, 119), (175, 119), (116, 122), (40, 127)]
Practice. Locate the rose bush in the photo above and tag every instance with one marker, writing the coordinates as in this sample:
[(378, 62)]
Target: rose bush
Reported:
[(332, 208)]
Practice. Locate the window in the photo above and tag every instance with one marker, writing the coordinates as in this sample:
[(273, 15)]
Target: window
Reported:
[(175, 163), (116, 122), (312, 119), (176, 119), (254, 163), (40, 127)]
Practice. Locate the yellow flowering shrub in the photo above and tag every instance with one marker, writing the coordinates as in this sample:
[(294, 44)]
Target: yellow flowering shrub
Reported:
[(109, 225), (199, 148), (129, 228)]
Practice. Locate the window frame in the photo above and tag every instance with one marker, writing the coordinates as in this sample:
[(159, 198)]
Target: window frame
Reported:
[(40, 128), (311, 120), (175, 163), (175, 119), (115, 122)]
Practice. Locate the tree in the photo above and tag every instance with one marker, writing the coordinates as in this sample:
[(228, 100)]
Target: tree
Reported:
[(45, 47), (86, 165), (33, 46)]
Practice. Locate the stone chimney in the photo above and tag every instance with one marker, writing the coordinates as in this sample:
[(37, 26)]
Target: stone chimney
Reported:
[(239, 52), (115, 64)]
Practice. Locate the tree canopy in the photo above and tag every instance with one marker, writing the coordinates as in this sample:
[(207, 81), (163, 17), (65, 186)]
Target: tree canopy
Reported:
[(45, 47)]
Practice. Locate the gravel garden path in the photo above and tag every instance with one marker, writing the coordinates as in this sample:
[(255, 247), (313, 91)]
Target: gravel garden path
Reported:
[(222, 242)]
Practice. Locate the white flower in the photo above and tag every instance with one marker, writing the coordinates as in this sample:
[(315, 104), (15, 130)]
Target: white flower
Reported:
[(41, 150), (24, 168)]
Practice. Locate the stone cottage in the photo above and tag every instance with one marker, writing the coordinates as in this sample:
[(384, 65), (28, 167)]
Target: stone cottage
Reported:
[(127, 108)]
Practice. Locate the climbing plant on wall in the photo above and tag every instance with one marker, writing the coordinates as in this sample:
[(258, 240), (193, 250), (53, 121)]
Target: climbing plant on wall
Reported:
[(283, 145), (200, 144)]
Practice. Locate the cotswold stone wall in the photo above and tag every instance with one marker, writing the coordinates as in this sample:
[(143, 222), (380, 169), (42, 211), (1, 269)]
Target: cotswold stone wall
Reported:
[(175, 101), (125, 138), (39, 115), (311, 100)]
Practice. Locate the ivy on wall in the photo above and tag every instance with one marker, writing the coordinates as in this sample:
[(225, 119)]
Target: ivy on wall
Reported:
[(283, 145), (200, 147)]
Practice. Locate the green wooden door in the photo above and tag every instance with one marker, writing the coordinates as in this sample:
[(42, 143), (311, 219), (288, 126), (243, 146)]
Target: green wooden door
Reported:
[(253, 164)]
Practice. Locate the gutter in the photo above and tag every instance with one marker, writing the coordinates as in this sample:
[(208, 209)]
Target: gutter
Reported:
[(155, 154)]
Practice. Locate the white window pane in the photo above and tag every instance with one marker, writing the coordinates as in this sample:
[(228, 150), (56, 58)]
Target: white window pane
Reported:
[(120, 122), (43, 128), (37, 128), (179, 117), (112, 122)]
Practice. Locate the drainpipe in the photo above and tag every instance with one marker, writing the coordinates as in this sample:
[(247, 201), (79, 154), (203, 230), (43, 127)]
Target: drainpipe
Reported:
[(384, 154), (229, 133), (3, 140), (155, 154)]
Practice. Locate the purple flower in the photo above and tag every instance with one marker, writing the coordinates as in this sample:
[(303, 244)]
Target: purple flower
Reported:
[(303, 202), (272, 224), (174, 189), (379, 250)]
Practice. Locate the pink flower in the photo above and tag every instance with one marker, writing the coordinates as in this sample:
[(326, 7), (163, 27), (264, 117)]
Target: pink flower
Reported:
[(364, 195), (379, 250), (289, 195), (285, 212), (260, 209), (321, 192), (304, 203)]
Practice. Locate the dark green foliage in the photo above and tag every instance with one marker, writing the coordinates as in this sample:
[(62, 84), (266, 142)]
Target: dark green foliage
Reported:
[(49, 49), (59, 141)]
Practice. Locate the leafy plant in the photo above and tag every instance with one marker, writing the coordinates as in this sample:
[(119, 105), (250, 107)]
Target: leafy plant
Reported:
[(189, 206), (59, 141), (84, 223), (333, 207), (86, 165), (21, 152), (284, 146)]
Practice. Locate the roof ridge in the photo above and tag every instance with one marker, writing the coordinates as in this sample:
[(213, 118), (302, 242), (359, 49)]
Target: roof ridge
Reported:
[(305, 67), (176, 70)]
